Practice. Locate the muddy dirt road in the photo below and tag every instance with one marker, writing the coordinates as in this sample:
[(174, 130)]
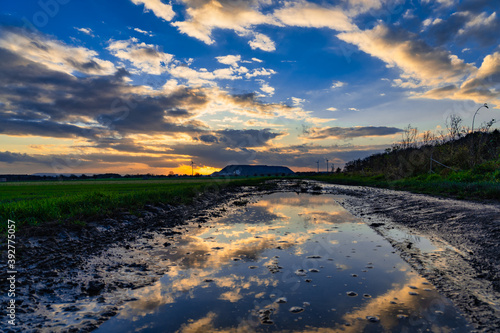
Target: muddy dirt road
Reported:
[(66, 271)]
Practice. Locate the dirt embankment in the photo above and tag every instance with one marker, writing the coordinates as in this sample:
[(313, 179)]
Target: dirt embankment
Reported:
[(463, 260)]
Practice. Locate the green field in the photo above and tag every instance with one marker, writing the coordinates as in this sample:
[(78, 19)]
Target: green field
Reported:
[(78, 201)]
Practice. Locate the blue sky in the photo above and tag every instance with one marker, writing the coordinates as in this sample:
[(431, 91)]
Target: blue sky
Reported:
[(149, 86)]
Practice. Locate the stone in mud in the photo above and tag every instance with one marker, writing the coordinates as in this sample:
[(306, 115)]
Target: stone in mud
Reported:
[(367, 295), (413, 293), (281, 300), (71, 308), (373, 319), (301, 272), (252, 267), (94, 288), (296, 309), (351, 294), (376, 224), (167, 244), (314, 270), (313, 257)]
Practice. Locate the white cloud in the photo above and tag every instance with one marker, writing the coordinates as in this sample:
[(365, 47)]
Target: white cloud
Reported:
[(265, 87), (297, 101), (144, 32), (429, 22), (256, 60), (55, 54), (145, 57), (305, 14), (262, 42), (332, 109), (160, 9), (260, 72), (86, 31), (353, 109), (477, 22), (338, 84), (206, 15), (441, 3), (428, 65), (465, 50), (231, 60)]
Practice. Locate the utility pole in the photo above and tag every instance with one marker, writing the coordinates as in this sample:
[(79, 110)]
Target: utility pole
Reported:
[(318, 165), (326, 165), (192, 168)]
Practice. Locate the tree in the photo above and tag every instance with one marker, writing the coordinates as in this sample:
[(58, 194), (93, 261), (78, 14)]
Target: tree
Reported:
[(455, 128), (409, 137)]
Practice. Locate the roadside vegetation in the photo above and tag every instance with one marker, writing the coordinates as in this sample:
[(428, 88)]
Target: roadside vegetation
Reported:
[(35, 203), (456, 162)]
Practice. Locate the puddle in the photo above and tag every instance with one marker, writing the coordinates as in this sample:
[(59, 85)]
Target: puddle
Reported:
[(288, 262), (423, 243)]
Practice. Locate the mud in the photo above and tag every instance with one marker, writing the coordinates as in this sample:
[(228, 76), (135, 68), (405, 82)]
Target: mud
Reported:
[(462, 258), (66, 268)]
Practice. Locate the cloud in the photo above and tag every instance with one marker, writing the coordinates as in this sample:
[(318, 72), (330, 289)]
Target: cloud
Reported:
[(145, 57), (440, 3), (240, 138), (55, 55), (260, 72), (297, 101), (262, 42), (332, 109), (350, 132), (427, 65), (483, 85), (144, 32), (231, 60), (256, 60), (207, 15), (338, 84), (86, 31), (465, 27), (306, 14), (160, 9), (265, 87)]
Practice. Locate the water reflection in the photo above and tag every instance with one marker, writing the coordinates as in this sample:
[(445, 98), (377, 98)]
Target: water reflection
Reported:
[(318, 260)]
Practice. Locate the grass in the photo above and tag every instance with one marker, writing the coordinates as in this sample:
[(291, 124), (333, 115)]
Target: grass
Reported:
[(468, 184), (35, 203)]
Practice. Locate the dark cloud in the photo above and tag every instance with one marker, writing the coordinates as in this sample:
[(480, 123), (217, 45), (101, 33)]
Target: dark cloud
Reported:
[(246, 138), (44, 128), (38, 101), (8, 157), (239, 138), (350, 132)]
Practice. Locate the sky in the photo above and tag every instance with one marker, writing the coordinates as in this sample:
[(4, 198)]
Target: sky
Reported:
[(149, 86)]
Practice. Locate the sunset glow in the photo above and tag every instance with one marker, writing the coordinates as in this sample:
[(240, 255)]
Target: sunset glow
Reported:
[(147, 86)]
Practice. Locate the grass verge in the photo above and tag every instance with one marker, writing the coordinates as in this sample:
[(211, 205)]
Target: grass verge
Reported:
[(428, 184), (35, 203)]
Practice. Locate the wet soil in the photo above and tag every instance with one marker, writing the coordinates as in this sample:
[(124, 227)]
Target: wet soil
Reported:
[(63, 267), (463, 258)]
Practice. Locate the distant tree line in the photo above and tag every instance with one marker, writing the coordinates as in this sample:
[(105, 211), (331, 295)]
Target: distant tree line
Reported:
[(456, 148), (59, 177)]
